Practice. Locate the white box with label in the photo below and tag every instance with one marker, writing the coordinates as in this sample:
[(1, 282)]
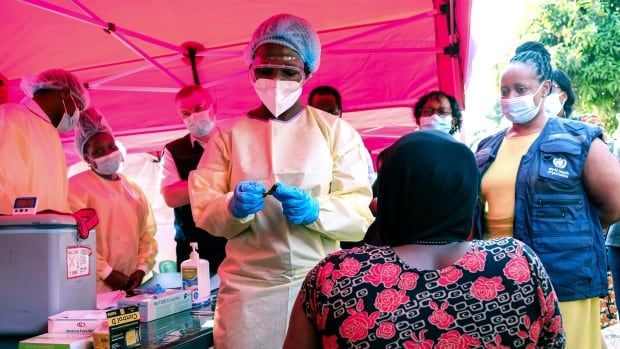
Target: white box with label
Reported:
[(155, 306), (76, 321)]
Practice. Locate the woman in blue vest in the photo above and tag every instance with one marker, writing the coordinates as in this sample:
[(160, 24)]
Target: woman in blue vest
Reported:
[(552, 184)]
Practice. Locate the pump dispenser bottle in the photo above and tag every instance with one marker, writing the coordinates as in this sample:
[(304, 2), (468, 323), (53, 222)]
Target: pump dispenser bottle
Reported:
[(195, 274)]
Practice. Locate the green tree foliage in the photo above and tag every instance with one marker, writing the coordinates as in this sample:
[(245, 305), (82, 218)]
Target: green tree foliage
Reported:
[(583, 37)]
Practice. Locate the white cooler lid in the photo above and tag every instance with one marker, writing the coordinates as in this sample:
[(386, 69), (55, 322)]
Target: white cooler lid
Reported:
[(45, 219)]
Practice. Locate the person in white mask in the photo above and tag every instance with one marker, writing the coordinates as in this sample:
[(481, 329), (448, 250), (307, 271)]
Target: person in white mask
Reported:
[(284, 184), (32, 161), (197, 110), (438, 111), (553, 184), (562, 98), (126, 246)]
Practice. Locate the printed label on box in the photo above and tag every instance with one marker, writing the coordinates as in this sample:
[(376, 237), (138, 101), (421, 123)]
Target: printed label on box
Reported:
[(124, 327), (78, 261)]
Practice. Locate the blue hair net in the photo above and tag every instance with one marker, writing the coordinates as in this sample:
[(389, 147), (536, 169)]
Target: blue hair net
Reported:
[(290, 31), (90, 123), (55, 79)]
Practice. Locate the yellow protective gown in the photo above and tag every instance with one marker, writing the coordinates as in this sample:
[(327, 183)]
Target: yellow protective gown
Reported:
[(32, 161), (267, 257), (126, 229)]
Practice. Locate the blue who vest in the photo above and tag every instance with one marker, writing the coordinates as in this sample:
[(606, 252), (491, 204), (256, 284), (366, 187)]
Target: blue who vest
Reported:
[(553, 214)]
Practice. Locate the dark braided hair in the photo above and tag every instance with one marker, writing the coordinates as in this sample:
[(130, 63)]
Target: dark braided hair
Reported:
[(535, 54), (562, 80)]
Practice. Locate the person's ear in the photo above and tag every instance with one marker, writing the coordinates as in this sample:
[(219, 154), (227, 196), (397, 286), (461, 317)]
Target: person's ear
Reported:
[(546, 88)]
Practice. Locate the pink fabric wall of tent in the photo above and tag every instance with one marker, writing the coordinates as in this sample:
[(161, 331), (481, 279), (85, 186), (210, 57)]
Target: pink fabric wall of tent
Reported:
[(379, 54)]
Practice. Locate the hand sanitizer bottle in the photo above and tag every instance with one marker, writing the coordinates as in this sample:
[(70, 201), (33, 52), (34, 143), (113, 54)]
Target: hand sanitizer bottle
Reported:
[(195, 274)]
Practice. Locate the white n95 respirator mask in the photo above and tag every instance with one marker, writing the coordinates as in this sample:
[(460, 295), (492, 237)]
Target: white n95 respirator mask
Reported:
[(277, 95)]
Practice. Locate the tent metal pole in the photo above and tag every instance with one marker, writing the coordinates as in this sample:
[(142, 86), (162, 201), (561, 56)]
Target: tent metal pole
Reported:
[(81, 18), (137, 89), (130, 71), (383, 50), (146, 57), (113, 30), (392, 24), (192, 58)]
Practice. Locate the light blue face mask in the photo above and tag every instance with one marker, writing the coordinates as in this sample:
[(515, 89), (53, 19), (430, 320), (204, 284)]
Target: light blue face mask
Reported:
[(436, 122)]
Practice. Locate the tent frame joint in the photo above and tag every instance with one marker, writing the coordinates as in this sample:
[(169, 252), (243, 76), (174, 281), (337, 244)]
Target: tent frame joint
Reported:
[(452, 49), (111, 28)]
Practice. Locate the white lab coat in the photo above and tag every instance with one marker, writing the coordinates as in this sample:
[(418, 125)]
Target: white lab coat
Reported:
[(32, 161), (267, 257), (126, 230)]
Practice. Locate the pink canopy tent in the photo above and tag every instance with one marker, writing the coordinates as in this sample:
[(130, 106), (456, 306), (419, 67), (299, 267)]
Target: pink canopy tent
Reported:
[(131, 55)]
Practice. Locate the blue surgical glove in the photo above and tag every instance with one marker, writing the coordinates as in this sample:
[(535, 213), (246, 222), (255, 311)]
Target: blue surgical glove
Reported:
[(247, 199), (298, 206)]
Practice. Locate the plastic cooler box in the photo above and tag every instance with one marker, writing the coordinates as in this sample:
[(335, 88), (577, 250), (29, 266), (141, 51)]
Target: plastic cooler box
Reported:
[(44, 270)]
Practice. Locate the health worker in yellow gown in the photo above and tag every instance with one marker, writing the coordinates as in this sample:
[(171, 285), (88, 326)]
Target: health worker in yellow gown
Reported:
[(321, 194), (32, 161), (126, 246)]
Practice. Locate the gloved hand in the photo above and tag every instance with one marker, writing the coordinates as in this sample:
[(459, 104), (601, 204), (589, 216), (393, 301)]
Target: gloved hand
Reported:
[(298, 206), (247, 199), (117, 280), (135, 279)]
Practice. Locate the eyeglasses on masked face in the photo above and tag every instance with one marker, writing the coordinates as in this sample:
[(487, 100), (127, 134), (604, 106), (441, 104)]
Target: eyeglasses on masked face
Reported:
[(443, 112), (276, 72)]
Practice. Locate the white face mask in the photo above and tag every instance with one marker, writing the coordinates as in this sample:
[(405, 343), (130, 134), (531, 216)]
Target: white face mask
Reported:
[(520, 110), (436, 122), (68, 122), (553, 105), (278, 95), (199, 124), (109, 164)]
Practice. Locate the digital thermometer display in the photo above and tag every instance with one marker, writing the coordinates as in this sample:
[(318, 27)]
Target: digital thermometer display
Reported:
[(25, 205)]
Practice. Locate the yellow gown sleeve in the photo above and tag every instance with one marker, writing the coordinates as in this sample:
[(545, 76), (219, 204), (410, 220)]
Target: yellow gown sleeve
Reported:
[(209, 192), (147, 249), (78, 199), (14, 166), (344, 213)]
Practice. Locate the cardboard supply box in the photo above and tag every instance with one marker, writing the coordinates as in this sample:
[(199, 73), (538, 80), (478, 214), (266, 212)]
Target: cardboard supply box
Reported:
[(122, 330), (57, 341), (153, 306), (76, 321)]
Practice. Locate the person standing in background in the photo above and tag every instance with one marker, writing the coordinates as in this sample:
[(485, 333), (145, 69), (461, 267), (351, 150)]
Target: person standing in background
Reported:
[(438, 111), (327, 98), (32, 161), (126, 245), (562, 98), (197, 110)]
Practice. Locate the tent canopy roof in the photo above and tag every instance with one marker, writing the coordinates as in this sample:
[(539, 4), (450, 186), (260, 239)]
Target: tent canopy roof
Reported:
[(378, 54)]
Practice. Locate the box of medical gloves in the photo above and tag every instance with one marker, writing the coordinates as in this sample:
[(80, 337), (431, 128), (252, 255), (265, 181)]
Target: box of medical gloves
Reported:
[(76, 321), (155, 306), (57, 341)]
